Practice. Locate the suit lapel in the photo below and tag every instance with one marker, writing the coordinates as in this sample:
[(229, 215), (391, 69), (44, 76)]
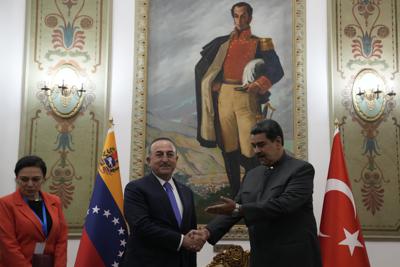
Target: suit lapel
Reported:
[(24, 208), (53, 212)]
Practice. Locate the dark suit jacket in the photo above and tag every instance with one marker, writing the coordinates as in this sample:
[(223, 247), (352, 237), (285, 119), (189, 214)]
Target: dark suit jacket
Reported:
[(155, 235), (278, 211), (20, 230)]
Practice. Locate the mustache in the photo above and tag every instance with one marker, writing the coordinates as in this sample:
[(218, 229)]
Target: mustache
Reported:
[(165, 165), (260, 155)]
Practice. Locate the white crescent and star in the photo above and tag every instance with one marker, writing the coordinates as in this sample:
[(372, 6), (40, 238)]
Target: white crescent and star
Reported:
[(351, 239)]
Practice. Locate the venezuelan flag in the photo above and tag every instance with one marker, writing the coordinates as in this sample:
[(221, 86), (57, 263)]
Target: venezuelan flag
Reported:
[(105, 234)]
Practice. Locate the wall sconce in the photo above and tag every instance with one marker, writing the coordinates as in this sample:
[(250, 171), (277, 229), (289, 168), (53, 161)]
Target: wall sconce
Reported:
[(391, 93), (63, 99), (375, 93), (370, 94), (65, 91)]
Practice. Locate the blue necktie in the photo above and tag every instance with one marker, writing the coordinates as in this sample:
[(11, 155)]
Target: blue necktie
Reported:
[(173, 202)]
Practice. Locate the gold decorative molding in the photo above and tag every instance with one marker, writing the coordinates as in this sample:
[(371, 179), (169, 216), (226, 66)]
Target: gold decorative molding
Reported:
[(139, 104)]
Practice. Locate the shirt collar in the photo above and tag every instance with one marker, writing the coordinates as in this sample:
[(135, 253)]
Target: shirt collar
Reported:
[(242, 35), (162, 181), (278, 162)]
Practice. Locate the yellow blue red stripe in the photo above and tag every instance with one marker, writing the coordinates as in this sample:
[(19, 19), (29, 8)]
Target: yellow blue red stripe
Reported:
[(105, 232)]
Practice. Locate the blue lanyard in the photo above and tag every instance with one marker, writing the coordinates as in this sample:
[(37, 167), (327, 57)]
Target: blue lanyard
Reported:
[(44, 221)]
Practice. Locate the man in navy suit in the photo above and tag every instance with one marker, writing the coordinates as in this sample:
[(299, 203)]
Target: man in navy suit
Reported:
[(160, 212)]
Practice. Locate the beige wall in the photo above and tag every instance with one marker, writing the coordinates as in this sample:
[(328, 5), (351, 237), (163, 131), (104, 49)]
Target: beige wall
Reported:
[(12, 13)]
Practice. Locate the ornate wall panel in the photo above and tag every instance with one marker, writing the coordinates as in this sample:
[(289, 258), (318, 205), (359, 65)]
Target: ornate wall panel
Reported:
[(65, 107), (365, 94)]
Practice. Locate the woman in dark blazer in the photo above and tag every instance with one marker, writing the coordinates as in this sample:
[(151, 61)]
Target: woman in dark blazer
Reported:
[(31, 219)]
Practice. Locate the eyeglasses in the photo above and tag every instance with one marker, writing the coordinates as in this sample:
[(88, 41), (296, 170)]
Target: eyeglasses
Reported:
[(25, 179)]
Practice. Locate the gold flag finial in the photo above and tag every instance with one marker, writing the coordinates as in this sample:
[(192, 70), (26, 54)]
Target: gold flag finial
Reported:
[(110, 122), (337, 123)]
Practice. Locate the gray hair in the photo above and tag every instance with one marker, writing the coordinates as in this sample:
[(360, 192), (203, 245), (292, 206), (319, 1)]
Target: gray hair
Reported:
[(160, 139)]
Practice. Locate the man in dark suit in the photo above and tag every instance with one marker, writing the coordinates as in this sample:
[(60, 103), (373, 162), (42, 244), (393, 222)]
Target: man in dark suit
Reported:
[(160, 213), (275, 201)]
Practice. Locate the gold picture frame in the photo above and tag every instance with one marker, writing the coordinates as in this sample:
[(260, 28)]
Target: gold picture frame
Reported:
[(152, 47)]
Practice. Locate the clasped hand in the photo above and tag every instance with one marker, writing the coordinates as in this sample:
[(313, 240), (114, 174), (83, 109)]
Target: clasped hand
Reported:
[(195, 239)]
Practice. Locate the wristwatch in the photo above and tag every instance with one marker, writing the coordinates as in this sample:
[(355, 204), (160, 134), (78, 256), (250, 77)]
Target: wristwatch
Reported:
[(236, 210)]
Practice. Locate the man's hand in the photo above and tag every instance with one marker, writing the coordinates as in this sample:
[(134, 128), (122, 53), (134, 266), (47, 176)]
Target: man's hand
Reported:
[(205, 234), (253, 87), (225, 208), (202, 233), (193, 241)]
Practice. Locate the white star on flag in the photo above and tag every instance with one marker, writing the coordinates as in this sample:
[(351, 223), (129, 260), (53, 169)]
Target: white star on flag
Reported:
[(121, 231), (351, 240), (123, 242), (115, 221), (120, 253), (115, 264), (107, 213), (95, 210)]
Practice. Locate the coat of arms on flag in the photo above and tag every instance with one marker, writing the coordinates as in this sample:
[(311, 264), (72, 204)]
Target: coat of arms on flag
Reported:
[(109, 161)]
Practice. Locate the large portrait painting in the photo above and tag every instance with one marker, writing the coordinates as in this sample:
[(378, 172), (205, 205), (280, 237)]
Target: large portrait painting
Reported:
[(182, 53)]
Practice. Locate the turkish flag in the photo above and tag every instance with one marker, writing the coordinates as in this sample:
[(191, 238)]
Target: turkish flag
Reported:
[(342, 243)]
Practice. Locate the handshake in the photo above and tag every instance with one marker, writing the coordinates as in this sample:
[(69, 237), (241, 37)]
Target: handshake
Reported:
[(195, 239)]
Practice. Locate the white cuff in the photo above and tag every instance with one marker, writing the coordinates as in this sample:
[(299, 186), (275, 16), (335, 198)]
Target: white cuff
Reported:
[(180, 243)]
